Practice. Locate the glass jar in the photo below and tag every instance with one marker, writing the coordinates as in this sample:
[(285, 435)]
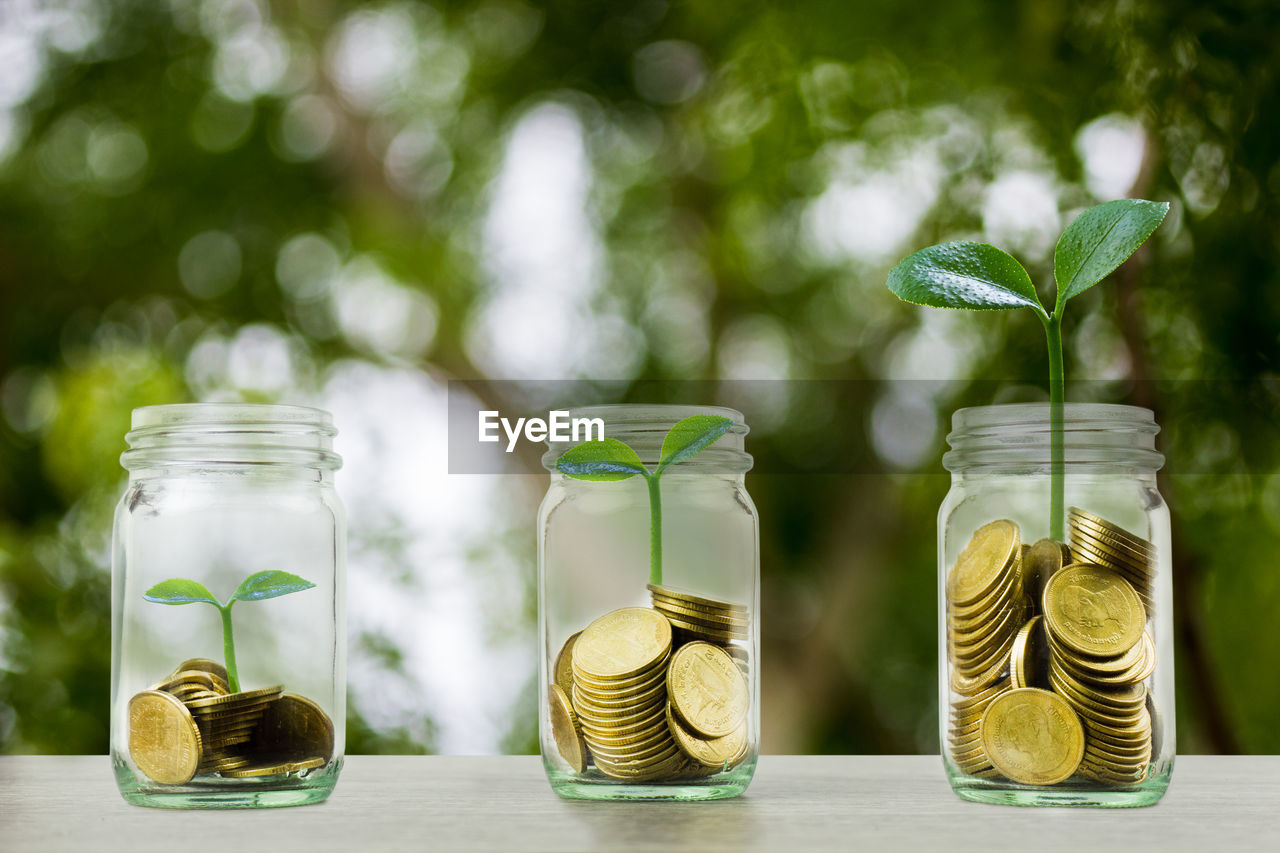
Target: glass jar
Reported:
[(648, 670), (228, 621), (1055, 657)]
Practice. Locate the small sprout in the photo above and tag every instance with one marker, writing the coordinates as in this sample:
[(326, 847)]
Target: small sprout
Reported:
[(609, 460), (980, 277), (257, 587)]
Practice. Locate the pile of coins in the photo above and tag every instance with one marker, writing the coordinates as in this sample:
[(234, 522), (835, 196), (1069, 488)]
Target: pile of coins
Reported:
[(1099, 655), (190, 724), (693, 617), (1050, 651), (654, 694), (1099, 541), (985, 605), (965, 732)]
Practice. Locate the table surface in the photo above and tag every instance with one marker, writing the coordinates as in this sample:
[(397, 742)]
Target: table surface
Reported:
[(51, 803)]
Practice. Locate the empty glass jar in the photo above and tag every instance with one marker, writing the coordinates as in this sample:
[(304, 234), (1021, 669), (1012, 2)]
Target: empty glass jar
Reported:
[(228, 675), (1055, 656), (648, 608)]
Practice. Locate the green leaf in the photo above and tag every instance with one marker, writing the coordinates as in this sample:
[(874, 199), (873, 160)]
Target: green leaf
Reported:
[(180, 591), (976, 276), (603, 461), (269, 584), (1101, 239), (691, 436)]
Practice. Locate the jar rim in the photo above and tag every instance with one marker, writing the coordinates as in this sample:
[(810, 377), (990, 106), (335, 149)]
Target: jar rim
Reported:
[(1010, 414), (227, 413), (650, 412), (204, 435), (1020, 434)]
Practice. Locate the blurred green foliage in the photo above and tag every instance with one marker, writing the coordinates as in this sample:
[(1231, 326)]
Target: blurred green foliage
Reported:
[(180, 178)]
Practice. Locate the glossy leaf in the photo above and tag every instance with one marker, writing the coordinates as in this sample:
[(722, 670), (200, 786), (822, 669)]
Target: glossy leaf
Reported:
[(606, 460), (269, 584), (180, 591), (691, 436), (1101, 239), (975, 276)]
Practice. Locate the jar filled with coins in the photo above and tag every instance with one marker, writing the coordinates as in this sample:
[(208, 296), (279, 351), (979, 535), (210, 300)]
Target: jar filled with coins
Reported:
[(228, 658), (1055, 618), (648, 608)]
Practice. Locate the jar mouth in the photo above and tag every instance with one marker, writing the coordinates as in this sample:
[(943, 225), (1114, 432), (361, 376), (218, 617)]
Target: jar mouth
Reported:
[(1021, 433), (209, 434), (643, 426)]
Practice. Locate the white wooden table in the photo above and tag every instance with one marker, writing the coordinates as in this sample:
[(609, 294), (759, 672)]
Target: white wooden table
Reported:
[(795, 804)]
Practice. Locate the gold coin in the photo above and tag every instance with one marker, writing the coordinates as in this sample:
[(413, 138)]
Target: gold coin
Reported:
[(1093, 610), (967, 685), (623, 702), (630, 687), (192, 679), (278, 768), (1008, 586), (164, 740), (1033, 736), (562, 669), (983, 562), (221, 765), (564, 729), (204, 665), (694, 614), (703, 623), (617, 743), (696, 600), (243, 698), (708, 752), (649, 748), (648, 769), (1019, 670), (707, 690), (1096, 523), (621, 724), (703, 631), (622, 644), (1041, 562), (296, 728)]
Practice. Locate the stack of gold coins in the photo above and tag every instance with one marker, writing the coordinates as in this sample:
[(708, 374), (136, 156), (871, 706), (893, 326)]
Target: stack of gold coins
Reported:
[(1099, 655), (1048, 619), (619, 694), (227, 722), (985, 606), (260, 732), (293, 734), (964, 736), (629, 699), (1099, 541), (693, 617), (707, 710)]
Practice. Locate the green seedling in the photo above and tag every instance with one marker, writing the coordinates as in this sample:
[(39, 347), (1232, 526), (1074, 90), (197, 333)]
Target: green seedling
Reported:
[(256, 587), (609, 460), (980, 277)]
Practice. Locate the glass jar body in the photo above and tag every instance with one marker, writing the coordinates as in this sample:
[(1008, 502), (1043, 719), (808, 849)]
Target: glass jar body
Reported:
[(218, 495), (627, 739), (1090, 624)]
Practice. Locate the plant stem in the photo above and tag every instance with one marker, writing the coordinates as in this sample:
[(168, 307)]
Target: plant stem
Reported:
[(229, 649), (1057, 438), (655, 528)]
